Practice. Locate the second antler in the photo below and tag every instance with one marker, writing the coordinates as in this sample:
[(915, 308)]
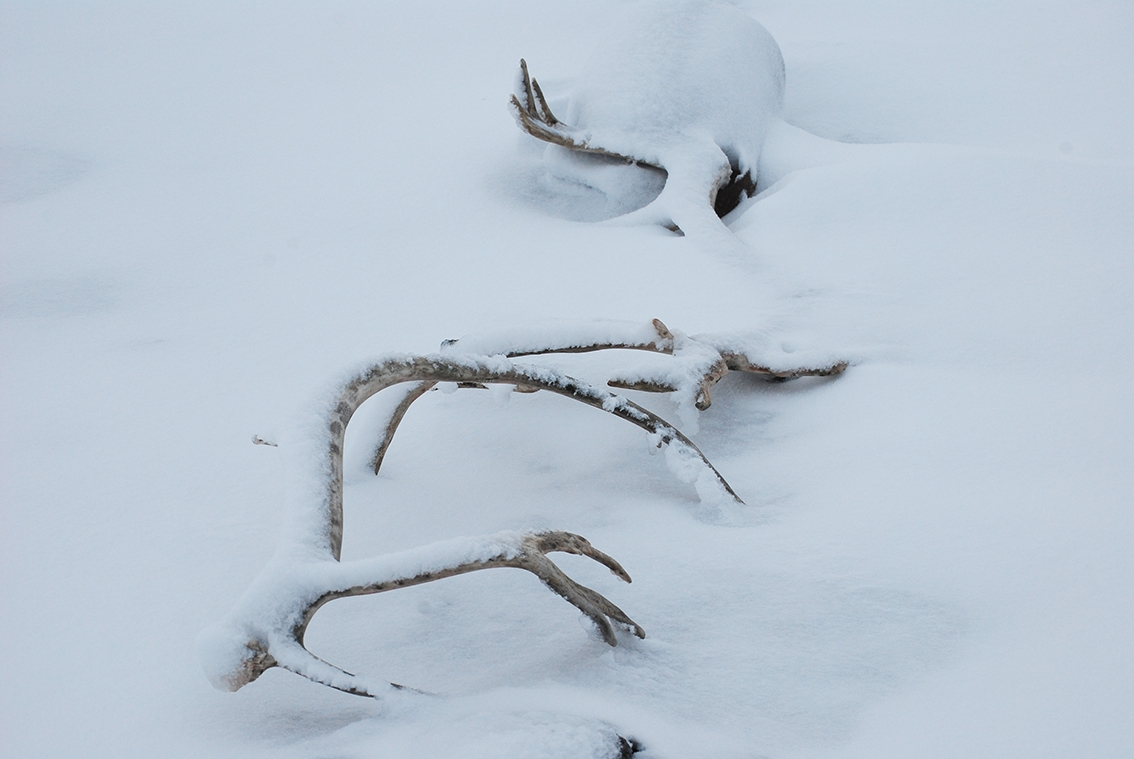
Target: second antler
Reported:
[(703, 360), (533, 115)]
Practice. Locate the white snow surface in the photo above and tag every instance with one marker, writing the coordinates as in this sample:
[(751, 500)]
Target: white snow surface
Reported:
[(211, 211), (686, 85), (676, 71)]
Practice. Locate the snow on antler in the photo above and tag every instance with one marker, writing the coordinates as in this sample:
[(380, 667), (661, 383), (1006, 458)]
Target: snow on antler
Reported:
[(267, 627), (689, 87), (698, 361)]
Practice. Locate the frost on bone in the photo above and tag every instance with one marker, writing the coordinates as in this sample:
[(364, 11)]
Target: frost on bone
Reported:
[(267, 626), (698, 362)]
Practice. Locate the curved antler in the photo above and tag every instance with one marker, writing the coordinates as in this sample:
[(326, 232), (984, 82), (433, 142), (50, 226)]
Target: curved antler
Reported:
[(534, 116), (706, 359), (464, 369), (267, 627)]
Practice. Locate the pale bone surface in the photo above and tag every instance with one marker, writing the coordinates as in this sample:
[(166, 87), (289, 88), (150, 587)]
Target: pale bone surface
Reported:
[(267, 627)]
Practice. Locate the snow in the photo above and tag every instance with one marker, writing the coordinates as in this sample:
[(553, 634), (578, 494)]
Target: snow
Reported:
[(688, 86), (212, 213)]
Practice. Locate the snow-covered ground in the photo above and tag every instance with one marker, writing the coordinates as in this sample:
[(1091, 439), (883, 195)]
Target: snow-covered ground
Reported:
[(210, 212)]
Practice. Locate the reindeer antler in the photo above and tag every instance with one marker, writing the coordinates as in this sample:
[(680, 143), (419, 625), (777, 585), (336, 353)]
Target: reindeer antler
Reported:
[(703, 361), (267, 627), (534, 116)]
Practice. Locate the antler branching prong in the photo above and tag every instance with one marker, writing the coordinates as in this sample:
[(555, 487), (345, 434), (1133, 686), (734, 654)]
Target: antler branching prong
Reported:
[(534, 116), (545, 113), (739, 362), (268, 626), (643, 385), (414, 392), (528, 105)]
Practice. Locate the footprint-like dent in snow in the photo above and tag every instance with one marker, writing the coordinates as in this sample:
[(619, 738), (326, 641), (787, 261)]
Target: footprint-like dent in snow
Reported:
[(582, 186), (57, 297), (27, 172)]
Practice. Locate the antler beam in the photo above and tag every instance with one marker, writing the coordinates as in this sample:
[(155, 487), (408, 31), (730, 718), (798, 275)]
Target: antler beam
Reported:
[(467, 369), (267, 627), (708, 364)]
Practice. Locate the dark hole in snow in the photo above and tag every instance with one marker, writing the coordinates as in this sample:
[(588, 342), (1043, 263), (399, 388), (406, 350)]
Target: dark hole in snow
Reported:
[(627, 747), (739, 187)]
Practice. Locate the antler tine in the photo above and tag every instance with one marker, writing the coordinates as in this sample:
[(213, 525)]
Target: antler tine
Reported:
[(533, 125), (593, 604), (445, 369), (528, 104), (534, 116), (239, 651), (643, 385), (702, 400), (739, 362), (660, 347), (295, 658), (395, 419), (541, 102), (711, 377), (663, 344), (534, 103)]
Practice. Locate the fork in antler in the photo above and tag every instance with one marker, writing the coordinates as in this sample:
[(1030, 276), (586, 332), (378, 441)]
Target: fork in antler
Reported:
[(703, 360), (532, 113), (267, 627)]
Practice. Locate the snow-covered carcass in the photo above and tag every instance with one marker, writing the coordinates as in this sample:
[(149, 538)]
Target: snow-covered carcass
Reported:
[(689, 87)]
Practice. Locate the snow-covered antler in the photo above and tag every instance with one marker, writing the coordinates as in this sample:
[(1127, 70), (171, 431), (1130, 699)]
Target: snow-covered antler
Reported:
[(691, 88), (267, 627), (708, 359), (699, 363), (534, 116)]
